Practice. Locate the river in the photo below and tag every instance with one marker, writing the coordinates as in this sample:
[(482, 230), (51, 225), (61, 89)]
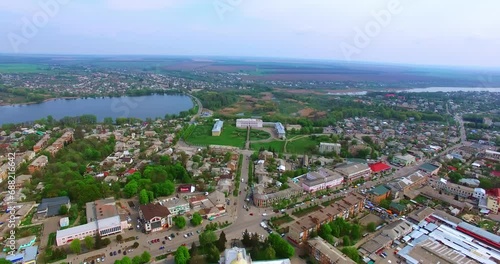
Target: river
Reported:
[(142, 107)]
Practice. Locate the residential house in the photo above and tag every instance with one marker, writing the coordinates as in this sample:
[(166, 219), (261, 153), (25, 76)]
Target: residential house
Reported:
[(329, 147), (325, 253), (42, 143), (21, 180), (404, 160), (379, 193), (176, 206), (38, 164)]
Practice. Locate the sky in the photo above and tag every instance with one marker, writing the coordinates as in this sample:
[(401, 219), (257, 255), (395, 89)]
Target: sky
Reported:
[(429, 32)]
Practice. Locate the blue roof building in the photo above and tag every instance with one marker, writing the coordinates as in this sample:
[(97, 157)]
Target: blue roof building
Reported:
[(280, 130), (217, 129)]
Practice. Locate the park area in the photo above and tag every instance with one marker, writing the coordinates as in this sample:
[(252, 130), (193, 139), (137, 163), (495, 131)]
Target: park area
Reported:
[(230, 136)]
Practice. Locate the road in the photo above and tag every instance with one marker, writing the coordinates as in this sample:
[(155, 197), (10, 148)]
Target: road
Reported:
[(200, 109)]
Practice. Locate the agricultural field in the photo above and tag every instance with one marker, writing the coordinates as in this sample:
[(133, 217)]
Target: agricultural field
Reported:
[(21, 68), (231, 136)]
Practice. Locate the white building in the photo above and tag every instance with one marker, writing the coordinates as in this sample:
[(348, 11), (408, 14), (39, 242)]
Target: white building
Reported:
[(248, 122), (280, 130), (329, 147), (321, 179), (104, 227)]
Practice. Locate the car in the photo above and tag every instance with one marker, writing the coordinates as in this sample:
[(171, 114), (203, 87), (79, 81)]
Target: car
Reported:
[(198, 231), (166, 237), (251, 213), (110, 254), (172, 235), (191, 233), (264, 214), (163, 242), (162, 247), (102, 259), (169, 238), (169, 250), (98, 260), (183, 244), (114, 253), (185, 236), (124, 252), (119, 251)]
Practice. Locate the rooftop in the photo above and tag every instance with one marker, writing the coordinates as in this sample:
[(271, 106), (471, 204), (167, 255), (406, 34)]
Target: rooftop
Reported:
[(379, 190), (217, 126), (352, 168), (149, 211), (379, 166), (333, 254), (428, 167)]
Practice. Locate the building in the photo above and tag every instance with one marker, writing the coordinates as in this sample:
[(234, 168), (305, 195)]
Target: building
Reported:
[(103, 209), (217, 129), (249, 122), (403, 186), (42, 143), (51, 206), (354, 171), (186, 188), (492, 200), (453, 188), (263, 199), (379, 193), (38, 164), (430, 168), (280, 130), (391, 232), (404, 160), (492, 155), (329, 147), (26, 256), (21, 180), (321, 179), (176, 206), (237, 255), (103, 227), (155, 217), (325, 253), (375, 245), (379, 167), (300, 230)]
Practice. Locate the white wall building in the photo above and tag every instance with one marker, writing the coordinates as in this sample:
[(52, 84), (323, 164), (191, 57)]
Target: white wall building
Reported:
[(248, 122), (329, 147)]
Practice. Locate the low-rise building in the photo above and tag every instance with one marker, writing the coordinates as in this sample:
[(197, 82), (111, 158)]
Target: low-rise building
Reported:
[(329, 147), (217, 129), (453, 188), (103, 227), (263, 199), (155, 216), (21, 180), (401, 187), (430, 168), (325, 253), (42, 143), (249, 122), (280, 130), (38, 164), (404, 160), (354, 171), (379, 193), (176, 206), (51, 206), (321, 179), (492, 155)]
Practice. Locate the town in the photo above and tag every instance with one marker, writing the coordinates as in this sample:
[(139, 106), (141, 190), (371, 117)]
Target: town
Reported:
[(414, 185)]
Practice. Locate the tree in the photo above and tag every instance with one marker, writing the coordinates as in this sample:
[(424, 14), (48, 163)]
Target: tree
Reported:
[(246, 239), (283, 249), (269, 253), (180, 221), (143, 197), (371, 227), (136, 260), (385, 203), (126, 260), (76, 246), (63, 209), (98, 242), (346, 241), (89, 242), (145, 257), (196, 219), (193, 251), (182, 255), (221, 243), (119, 238), (355, 232), (4, 261), (352, 253), (131, 188), (207, 238), (325, 230), (213, 254)]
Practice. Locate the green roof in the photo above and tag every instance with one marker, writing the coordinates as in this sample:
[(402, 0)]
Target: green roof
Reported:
[(380, 190), (397, 206), (428, 167)]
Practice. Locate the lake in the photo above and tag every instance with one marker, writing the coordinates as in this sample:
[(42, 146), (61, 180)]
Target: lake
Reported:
[(452, 89), (142, 107)]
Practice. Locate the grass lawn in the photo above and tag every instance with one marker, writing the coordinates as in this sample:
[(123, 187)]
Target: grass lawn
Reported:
[(282, 220), (230, 136), (487, 225), (28, 219), (21, 68), (276, 145), (420, 199), (306, 211), (35, 230), (258, 134), (302, 145), (52, 239)]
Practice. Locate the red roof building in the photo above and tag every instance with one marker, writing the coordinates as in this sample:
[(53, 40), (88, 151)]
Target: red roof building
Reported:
[(379, 167), (493, 192), (495, 173)]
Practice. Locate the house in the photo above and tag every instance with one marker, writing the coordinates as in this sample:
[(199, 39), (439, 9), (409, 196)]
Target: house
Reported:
[(404, 160), (150, 134), (51, 206), (321, 179), (397, 229), (38, 164), (42, 143), (21, 180), (176, 206), (379, 167), (217, 198), (354, 171), (325, 253), (397, 208), (329, 147), (261, 198), (453, 188), (280, 130), (403, 186), (217, 129), (155, 216), (430, 168), (249, 122), (379, 193), (492, 155), (375, 245)]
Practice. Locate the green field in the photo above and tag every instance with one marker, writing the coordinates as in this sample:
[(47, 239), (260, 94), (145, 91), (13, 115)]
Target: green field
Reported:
[(301, 146), (276, 145), (21, 68), (231, 136)]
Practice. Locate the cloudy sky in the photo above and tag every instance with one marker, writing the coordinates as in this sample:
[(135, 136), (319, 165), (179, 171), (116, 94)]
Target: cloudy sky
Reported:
[(444, 32)]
